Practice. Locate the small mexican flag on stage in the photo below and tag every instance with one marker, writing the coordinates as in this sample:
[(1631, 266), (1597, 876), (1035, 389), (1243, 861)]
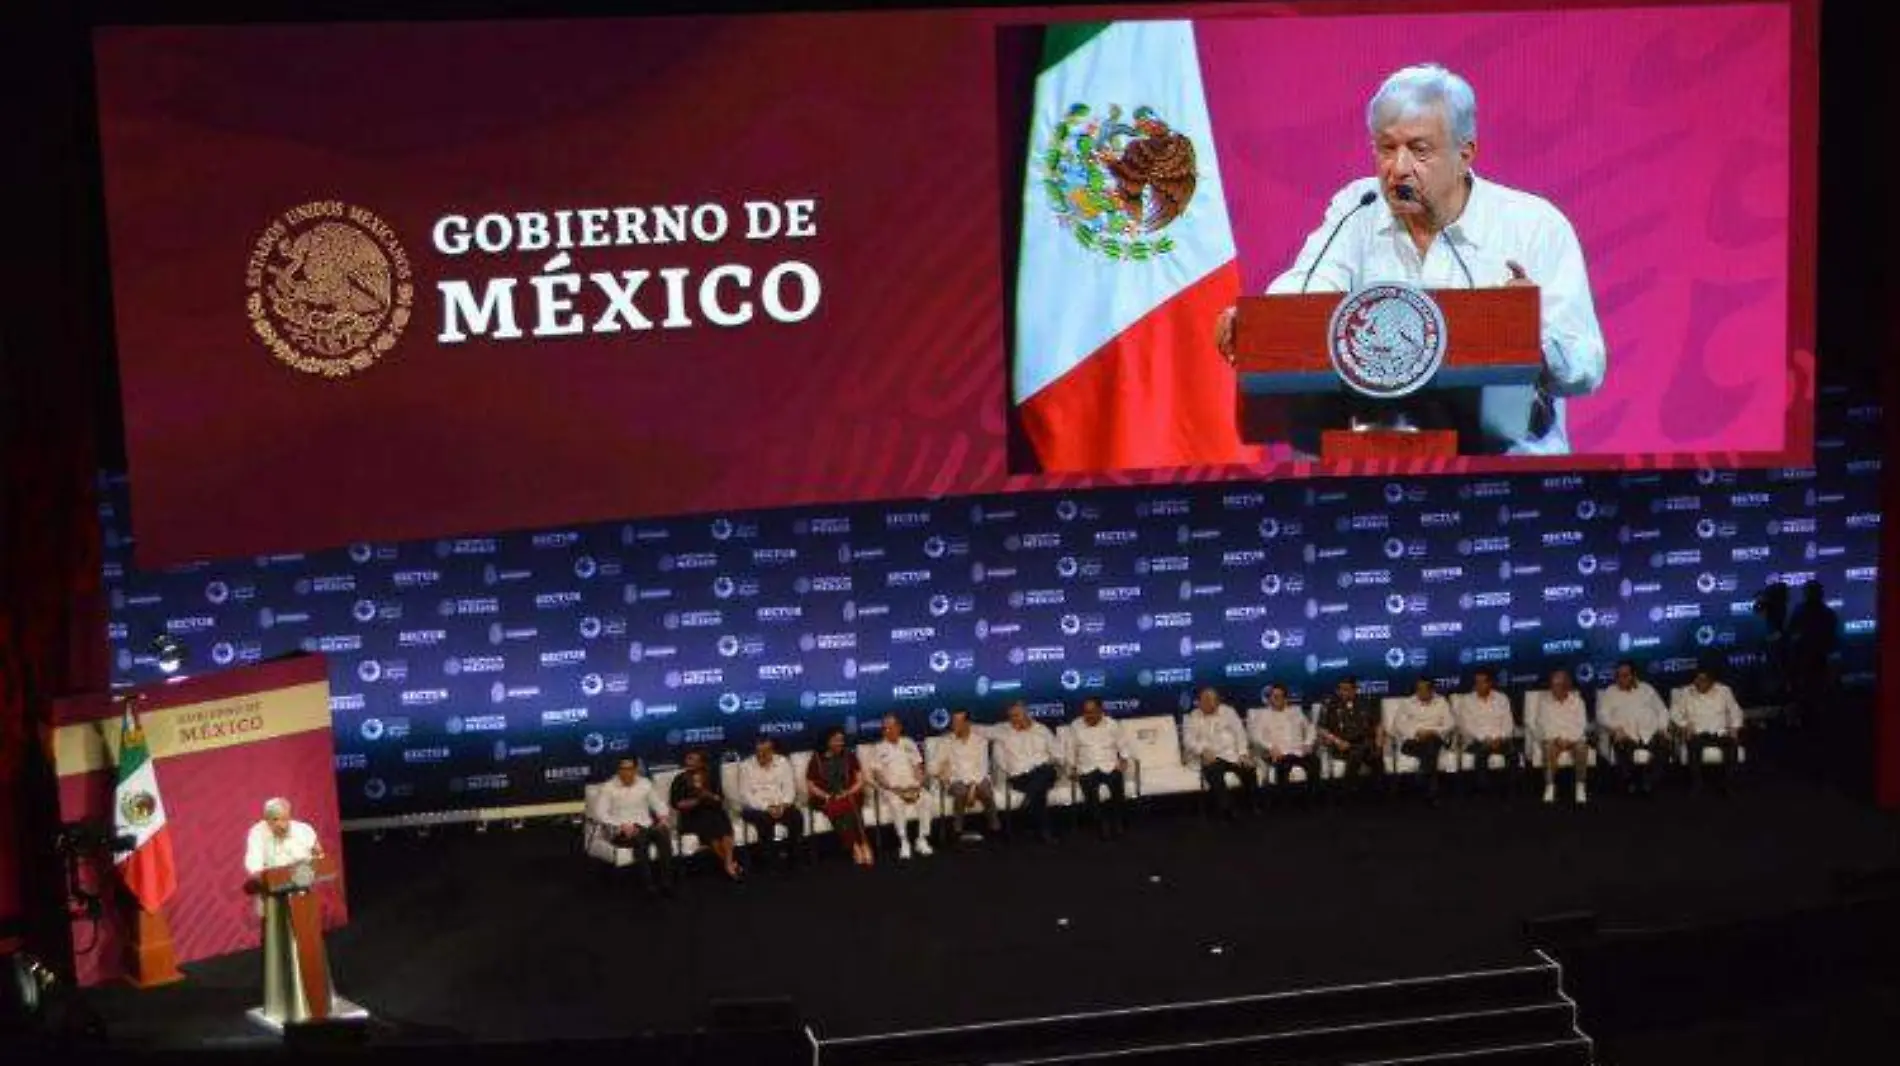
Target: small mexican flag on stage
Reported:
[(137, 812), (1127, 257)]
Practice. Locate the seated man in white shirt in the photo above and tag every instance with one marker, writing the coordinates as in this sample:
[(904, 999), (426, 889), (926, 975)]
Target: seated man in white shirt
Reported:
[(963, 766), (1638, 724), (1485, 725), (1213, 738), (897, 769), (1098, 757), (768, 794), (1423, 725), (1027, 750), (634, 816), (1565, 727), (1708, 717), (279, 840), (1287, 736)]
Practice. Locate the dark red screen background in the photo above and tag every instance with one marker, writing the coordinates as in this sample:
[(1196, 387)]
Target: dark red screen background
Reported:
[(895, 388)]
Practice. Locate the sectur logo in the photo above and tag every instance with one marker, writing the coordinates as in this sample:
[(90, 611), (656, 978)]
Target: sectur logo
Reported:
[(1116, 184)]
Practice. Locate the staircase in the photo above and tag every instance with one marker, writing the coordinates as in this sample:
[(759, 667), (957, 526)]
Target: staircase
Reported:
[(1517, 1016)]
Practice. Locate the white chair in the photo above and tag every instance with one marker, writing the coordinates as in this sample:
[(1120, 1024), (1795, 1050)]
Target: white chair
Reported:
[(873, 813), (1396, 761), (1534, 738), (1154, 747)]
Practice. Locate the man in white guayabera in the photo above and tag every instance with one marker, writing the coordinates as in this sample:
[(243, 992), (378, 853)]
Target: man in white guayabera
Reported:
[(1427, 219)]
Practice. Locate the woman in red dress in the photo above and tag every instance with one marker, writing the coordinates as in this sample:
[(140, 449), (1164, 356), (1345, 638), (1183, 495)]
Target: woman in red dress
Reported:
[(836, 784)]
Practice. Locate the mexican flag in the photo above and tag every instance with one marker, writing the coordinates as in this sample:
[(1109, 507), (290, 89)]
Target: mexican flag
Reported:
[(137, 812), (1127, 257)]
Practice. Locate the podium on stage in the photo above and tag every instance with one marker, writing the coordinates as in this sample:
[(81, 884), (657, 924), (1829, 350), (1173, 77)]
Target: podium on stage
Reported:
[(297, 987), (1382, 343)]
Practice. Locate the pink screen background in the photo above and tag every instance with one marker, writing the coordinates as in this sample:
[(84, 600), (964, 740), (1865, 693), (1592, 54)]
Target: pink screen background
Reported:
[(1662, 134)]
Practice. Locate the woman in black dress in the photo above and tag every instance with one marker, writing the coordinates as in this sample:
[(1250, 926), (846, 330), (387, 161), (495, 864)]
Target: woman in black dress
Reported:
[(701, 808)]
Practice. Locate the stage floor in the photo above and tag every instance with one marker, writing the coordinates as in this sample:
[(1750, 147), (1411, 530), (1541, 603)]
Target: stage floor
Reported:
[(511, 935)]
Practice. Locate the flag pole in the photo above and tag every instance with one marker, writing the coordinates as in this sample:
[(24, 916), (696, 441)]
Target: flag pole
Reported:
[(150, 958)]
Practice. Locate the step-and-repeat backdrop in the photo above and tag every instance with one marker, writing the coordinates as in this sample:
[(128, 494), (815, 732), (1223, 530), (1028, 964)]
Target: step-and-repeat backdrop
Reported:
[(502, 670)]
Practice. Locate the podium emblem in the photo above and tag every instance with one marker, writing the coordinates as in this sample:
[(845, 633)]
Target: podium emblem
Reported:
[(1387, 340)]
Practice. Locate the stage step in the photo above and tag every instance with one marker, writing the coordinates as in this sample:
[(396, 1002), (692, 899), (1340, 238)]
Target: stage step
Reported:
[(1516, 1016)]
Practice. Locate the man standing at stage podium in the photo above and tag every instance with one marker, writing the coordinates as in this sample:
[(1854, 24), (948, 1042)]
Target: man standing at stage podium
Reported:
[(1351, 729), (634, 816), (278, 840), (1437, 224), (1638, 724), (1214, 738)]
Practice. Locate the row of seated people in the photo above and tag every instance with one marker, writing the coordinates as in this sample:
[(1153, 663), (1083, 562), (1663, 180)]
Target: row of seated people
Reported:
[(1020, 765)]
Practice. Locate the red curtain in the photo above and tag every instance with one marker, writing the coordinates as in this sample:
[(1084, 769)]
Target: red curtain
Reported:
[(54, 384)]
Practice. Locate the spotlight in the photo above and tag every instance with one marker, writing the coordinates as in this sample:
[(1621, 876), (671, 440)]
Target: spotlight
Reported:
[(168, 653), (22, 979)]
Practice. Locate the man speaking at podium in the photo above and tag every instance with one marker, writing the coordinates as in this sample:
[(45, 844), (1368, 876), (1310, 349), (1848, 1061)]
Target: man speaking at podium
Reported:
[(278, 841), (1437, 225)]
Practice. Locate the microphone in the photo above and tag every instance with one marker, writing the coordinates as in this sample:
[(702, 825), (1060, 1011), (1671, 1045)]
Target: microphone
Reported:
[(1407, 193), (1337, 226)]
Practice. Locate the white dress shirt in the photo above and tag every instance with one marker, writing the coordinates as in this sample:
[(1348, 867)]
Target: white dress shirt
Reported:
[(1484, 719), (1096, 748), (1286, 731), (1638, 712), (762, 787), (265, 850), (897, 764), (1218, 736), (1498, 224), (639, 804), (1022, 750), (1561, 719), (963, 760), (1414, 717), (1714, 711)]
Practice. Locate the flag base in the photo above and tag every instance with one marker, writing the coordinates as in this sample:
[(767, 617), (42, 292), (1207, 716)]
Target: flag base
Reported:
[(151, 960)]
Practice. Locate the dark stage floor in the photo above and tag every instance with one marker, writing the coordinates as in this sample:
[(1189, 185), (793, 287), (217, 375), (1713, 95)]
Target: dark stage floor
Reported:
[(510, 935)]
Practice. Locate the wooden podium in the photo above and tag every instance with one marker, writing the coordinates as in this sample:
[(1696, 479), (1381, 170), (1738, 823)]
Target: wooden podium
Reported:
[(297, 988), (1281, 349)]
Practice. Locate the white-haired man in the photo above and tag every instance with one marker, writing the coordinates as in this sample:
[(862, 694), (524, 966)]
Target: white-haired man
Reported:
[(1438, 225), (897, 769), (279, 840)]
